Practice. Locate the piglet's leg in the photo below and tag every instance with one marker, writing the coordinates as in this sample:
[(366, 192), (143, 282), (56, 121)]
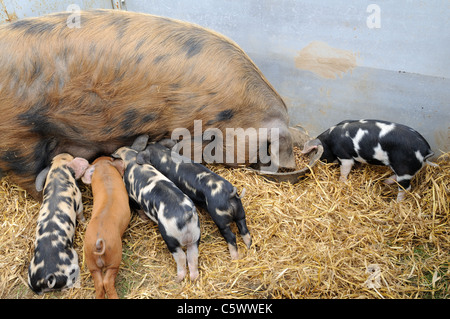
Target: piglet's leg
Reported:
[(405, 185), (243, 230), (143, 215), (180, 259), (98, 284), (109, 281), (192, 259), (247, 240), (391, 180), (233, 251), (346, 166), (231, 240), (401, 194), (79, 212)]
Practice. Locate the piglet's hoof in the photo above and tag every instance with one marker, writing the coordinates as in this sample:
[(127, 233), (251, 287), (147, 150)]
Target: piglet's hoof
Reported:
[(343, 179)]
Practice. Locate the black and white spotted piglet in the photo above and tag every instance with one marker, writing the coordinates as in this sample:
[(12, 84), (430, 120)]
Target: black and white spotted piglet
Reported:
[(376, 142), (204, 187), (165, 204), (54, 265)]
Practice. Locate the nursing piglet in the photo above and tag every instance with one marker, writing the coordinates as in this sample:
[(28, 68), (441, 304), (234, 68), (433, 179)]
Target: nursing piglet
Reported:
[(376, 142), (204, 187), (166, 205), (110, 218), (54, 265)]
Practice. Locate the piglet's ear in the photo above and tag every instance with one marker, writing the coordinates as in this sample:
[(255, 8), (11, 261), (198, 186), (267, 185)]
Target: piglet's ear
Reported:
[(141, 157), (119, 165), (79, 166), (87, 177), (310, 145), (167, 143), (140, 142), (40, 179)]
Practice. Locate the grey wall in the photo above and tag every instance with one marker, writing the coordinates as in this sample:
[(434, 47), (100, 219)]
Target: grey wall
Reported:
[(399, 72)]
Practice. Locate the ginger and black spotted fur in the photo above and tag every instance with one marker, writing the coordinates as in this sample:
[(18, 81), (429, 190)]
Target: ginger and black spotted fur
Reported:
[(89, 90), (55, 263)]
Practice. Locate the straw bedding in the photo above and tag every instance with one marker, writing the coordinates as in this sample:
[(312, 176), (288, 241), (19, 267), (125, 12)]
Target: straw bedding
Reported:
[(319, 238)]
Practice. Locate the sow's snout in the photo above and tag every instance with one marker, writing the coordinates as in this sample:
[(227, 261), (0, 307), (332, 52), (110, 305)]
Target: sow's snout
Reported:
[(281, 146), (286, 157)]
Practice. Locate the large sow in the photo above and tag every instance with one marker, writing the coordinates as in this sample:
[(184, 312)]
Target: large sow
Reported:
[(88, 89)]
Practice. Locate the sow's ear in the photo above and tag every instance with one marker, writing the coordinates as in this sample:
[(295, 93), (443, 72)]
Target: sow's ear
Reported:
[(310, 145), (40, 179), (79, 166), (87, 177)]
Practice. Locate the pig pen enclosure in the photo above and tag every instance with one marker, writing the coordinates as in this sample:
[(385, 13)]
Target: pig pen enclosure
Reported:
[(317, 237)]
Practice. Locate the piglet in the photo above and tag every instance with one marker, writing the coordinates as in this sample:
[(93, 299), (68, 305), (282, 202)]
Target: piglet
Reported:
[(110, 218), (376, 142), (204, 187), (165, 204), (54, 265)]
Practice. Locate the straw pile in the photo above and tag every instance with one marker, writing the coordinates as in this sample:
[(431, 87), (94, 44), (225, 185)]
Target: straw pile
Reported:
[(318, 238)]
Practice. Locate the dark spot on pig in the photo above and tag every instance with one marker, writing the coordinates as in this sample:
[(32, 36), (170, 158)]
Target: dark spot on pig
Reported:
[(43, 152), (58, 175), (130, 118), (100, 11), (61, 14), (67, 51), (160, 58), (119, 72), (107, 130), (92, 48), (175, 86), (36, 69), (225, 115), (127, 138), (139, 58), (222, 116), (120, 33), (201, 107), (167, 21), (36, 118), (121, 26), (139, 44), (20, 24), (149, 117), (192, 46), (64, 218), (122, 23), (17, 162), (32, 27)]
